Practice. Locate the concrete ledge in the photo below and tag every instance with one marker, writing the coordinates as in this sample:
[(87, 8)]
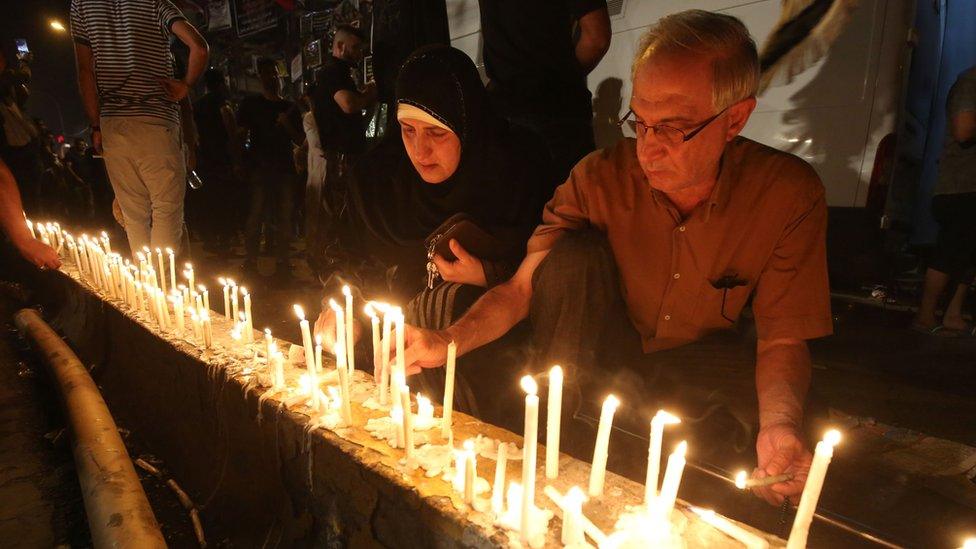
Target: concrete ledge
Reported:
[(252, 465)]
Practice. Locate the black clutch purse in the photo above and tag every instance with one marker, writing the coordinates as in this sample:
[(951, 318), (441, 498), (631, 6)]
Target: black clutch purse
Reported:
[(472, 238)]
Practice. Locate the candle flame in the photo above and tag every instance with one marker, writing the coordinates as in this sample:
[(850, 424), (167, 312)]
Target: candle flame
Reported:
[(318, 340), (368, 309), (267, 332), (575, 496), (529, 385), (740, 480), (231, 283), (469, 445), (612, 402), (832, 437), (666, 418), (299, 312), (168, 249), (202, 288), (970, 543), (159, 251), (346, 291), (335, 306), (244, 291), (222, 281), (682, 448), (188, 265), (556, 374)]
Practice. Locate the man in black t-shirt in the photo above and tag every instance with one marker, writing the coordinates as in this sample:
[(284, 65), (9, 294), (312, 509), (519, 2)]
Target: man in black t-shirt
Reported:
[(537, 54), (270, 122), (337, 105)]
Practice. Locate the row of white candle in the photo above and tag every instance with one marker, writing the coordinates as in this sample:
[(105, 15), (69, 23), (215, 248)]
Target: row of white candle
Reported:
[(143, 288)]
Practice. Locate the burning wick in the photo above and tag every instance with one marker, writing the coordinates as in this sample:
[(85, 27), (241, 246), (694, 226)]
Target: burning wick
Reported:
[(742, 480)]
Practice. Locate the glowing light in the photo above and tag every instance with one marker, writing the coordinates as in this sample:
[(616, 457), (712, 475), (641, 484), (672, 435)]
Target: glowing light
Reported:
[(740, 480), (529, 385), (832, 437), (57, 25), (299, 312)]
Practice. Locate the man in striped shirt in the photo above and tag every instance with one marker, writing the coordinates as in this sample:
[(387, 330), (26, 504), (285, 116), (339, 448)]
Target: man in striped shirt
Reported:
[(131, 98)]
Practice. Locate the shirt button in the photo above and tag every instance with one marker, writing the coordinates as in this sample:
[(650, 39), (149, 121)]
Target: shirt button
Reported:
[(681, 228), (667, 317), (677, 275)]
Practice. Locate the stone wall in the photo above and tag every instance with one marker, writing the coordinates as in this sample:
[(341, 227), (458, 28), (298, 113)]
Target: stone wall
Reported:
[(252, 465)]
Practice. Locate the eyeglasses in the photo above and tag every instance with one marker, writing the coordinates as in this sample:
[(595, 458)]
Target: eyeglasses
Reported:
[(666, 134)]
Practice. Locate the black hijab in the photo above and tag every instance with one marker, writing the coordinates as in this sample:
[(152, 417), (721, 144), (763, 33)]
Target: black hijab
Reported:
[(498, 181)]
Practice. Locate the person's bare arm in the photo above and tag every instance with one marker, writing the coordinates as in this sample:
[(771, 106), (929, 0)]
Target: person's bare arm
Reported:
[(196, 62), (13, 223), (352, 101), (782, 380), (594, 38), (86, 82), (963, 128), (488, 319)]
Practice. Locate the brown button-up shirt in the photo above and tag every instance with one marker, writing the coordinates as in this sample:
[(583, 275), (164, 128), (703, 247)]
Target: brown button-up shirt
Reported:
[(763, 226)]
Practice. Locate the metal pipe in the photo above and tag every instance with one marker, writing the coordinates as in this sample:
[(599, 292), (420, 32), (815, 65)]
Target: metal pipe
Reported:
[(843, 523), (119, 514)]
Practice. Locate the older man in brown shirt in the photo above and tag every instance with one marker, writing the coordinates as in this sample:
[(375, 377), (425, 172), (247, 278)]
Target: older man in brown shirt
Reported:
[(680, 226)]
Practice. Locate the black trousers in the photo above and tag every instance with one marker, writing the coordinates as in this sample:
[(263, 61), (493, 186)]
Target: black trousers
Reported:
[(273, 200), (955, 250), (579, 320)]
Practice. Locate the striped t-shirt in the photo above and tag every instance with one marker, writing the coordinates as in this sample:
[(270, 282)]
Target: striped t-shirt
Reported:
[(130, 47)]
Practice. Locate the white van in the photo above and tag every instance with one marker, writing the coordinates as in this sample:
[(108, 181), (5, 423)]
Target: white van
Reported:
[(834, 114)]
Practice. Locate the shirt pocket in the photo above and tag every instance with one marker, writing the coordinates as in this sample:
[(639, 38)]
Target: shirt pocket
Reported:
[(719, 308)]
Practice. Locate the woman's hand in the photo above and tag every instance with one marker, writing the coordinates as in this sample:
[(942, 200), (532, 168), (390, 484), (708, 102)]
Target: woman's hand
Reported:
[(325, 326), (467, 269)]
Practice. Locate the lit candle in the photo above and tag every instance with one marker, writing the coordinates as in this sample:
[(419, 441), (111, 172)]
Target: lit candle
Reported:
[(268, 343), (279, 368), (400, 344), (811, 491), (425, 411), (600, 453), (107, 242), (178, 311), (386, 342), (223, 282), (374, 323), (572, 534), (553, 417), (460, 464), (407, 421), (30, 227), (306, 338), (207, 329), (350, 337), (162, 269), (172, 266), (344, 389), (318, 353), (248, 319), (742, 480), (529, 449), (446, 430), (661, 418), (205, 295), (235, 304), (188, 272), (727, 527), (498, 490), (470, 471), (340, 333), (672, 479)]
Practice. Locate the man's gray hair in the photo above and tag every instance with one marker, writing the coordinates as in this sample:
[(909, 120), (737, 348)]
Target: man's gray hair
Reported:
[(735, 63)]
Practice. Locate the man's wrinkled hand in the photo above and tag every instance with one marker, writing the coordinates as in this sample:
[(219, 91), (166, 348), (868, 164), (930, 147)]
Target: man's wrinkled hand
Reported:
[(424, 349), (781, 450)]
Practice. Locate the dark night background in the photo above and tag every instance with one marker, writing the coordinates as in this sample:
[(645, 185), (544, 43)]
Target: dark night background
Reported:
[(54, 86)]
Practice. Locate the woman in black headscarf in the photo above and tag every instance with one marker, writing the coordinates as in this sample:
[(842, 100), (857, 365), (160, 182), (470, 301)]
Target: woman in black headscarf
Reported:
[(454, 155)]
